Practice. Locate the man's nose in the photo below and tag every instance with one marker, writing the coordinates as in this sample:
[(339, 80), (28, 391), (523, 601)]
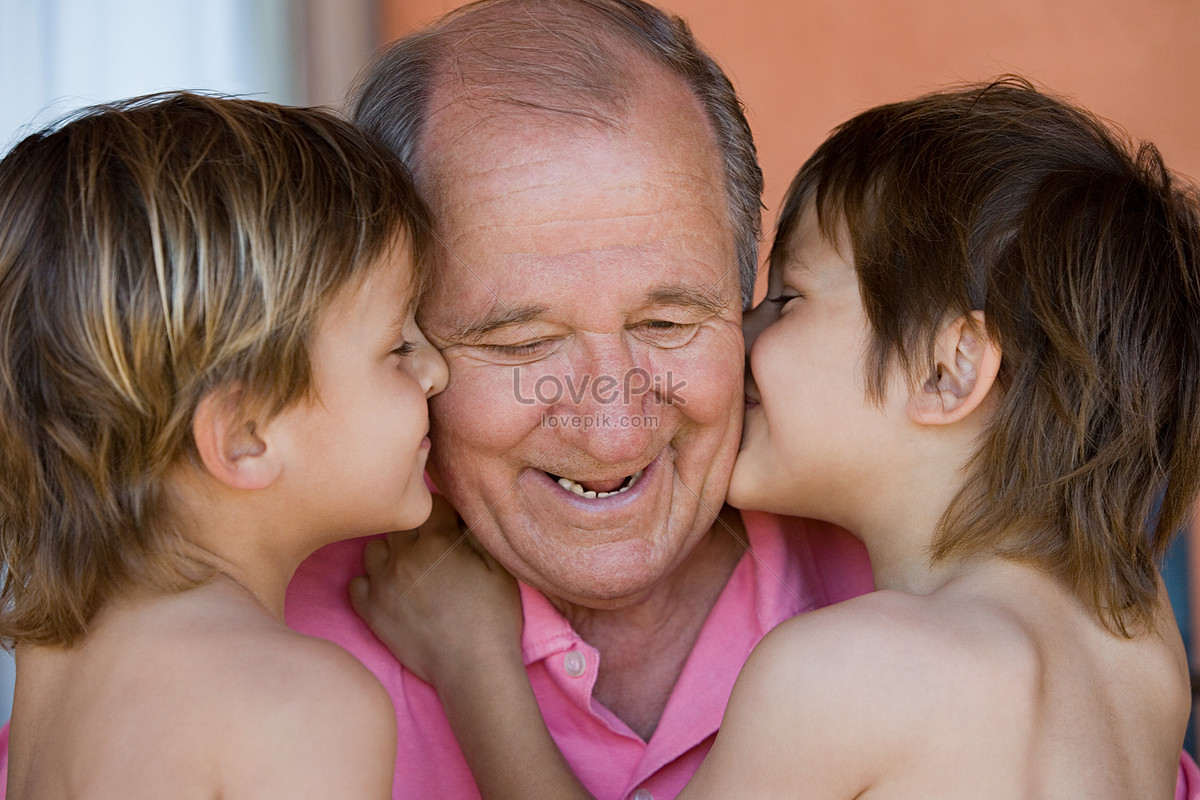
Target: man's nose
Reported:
[(611, 395)]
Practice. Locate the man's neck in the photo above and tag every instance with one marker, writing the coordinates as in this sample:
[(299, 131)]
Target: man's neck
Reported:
[(644, 647)]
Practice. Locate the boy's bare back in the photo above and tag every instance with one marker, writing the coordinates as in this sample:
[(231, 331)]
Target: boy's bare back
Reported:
[(997, 685), (198, 694)]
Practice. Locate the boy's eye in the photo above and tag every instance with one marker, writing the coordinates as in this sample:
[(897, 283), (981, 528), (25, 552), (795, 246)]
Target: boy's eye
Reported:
[(405, 349), (782, 299)]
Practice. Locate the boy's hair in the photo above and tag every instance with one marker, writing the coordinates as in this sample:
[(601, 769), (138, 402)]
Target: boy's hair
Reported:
[(1082, 253), (153, 250)]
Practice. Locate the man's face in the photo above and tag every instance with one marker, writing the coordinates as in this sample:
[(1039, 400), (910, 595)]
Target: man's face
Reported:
[(587, 303)]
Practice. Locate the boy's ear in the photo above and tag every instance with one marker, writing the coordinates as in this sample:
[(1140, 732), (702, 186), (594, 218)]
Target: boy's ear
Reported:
[(229, 447), (966, 362)]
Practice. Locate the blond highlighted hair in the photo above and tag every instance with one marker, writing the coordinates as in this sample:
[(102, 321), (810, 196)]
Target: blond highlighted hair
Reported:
[(151, 251)]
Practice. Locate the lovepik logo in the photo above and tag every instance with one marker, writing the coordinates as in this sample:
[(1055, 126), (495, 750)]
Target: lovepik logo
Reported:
[(602, 389)]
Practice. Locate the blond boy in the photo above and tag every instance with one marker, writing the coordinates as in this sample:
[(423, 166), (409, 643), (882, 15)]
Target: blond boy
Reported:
[(208, 368)]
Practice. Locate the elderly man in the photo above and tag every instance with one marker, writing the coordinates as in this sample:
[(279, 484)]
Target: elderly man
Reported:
[(595, 192)]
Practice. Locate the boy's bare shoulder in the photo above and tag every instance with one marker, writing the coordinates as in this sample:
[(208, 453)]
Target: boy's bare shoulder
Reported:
[(876, 681), (919, 655), (301, 713), (1011, 676), (819, 703), (309, 718), (269, 666), (233, 701), (281, 711)]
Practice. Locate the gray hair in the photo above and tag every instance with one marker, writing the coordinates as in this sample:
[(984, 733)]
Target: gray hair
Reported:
[(562, 58)]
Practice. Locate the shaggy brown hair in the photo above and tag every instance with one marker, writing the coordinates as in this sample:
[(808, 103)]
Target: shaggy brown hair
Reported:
[(1082, 252), (151, 251)]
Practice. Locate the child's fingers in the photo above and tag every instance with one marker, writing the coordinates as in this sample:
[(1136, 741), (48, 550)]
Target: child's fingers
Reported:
[(443, 519), (360, 593), (492, 563), (375, 555)]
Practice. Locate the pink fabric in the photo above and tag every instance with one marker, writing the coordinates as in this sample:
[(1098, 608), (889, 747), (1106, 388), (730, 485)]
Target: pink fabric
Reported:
[(794, 566), (1187, 785)]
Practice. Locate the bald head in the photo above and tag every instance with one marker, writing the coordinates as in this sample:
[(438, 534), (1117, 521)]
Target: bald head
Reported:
[(560, 62)]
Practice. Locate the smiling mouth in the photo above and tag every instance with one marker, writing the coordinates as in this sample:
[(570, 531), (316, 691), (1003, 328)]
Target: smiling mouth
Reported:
[(595, 491)]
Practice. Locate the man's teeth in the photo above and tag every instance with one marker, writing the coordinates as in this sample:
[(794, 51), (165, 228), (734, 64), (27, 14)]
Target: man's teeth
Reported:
[(572, 486)]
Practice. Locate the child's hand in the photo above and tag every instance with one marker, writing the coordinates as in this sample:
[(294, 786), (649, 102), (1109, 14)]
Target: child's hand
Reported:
[(452, 615), (438, 602)]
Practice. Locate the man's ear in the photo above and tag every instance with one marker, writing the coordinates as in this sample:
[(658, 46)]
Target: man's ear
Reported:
[(229, 446), (966, 362)]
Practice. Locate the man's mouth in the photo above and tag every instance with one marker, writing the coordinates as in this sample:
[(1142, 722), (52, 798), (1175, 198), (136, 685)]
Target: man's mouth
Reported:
[(599, 488)]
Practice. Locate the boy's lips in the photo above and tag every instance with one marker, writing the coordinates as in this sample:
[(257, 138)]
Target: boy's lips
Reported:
[(751, 396)]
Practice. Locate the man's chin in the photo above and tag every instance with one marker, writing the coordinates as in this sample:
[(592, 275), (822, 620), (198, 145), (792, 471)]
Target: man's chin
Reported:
[(600, 583)]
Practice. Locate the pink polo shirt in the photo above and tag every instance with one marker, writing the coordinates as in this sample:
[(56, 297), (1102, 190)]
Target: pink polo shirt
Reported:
[(794, 566)]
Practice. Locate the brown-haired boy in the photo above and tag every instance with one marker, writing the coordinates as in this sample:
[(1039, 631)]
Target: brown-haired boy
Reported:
[(208, 368)]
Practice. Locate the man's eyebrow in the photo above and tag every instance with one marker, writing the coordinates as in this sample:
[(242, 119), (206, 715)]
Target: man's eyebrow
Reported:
[(708, 300), (499, 316)]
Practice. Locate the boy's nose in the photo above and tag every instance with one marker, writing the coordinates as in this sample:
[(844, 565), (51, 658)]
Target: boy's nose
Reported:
[(753, 323), (434, 372)]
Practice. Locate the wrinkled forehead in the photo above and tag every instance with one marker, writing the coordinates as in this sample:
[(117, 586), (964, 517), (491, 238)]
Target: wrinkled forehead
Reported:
[(478, 152), (523, 194), (593, 81), (468, 145), (544, 214), (469, 111)]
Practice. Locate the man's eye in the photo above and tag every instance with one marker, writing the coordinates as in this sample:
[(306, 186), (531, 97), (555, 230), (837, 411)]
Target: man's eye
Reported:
[(666, 333), (518, 349)]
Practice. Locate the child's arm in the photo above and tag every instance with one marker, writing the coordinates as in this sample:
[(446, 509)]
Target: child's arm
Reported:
[(452, 616)]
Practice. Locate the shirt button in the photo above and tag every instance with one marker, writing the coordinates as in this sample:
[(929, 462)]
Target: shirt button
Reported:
[(642, 794), (575, 664)]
